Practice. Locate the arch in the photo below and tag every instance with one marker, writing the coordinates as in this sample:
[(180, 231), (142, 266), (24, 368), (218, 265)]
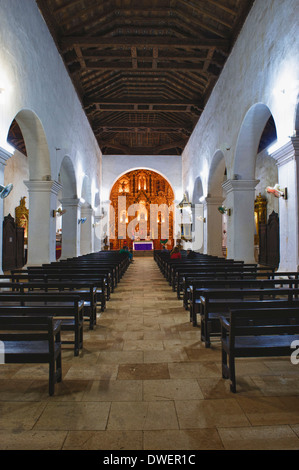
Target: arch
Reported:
[(142, 168), (216, 174), (197, 190), (67, 178), (36, 145), (248, 141), (86, 190), (143, 191)]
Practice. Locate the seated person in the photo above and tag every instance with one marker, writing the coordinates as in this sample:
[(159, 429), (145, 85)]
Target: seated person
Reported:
[(125, 250), (175, 254)]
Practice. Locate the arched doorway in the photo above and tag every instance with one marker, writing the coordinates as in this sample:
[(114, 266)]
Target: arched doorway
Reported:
[(67, 225), (42, 190), (216, 226), (241, 188), (142, 207)]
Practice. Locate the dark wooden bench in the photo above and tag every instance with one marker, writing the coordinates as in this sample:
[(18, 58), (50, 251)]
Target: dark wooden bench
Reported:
[(103, 280), (197, 288), (33, 339), (263, 332), (216, 303), (191, 281), (84, 289), (67, 307), (44, 276)]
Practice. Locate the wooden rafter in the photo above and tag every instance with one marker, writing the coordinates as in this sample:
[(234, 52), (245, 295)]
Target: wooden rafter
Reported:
[(144, 69)]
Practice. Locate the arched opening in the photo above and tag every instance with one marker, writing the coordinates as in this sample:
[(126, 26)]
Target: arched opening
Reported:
[(198, 218), (142, 208), (251, 173), (68, 199), (86, 219), (216, 224), (29, 170)]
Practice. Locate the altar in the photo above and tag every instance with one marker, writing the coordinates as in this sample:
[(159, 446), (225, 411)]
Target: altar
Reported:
[(143, 245)]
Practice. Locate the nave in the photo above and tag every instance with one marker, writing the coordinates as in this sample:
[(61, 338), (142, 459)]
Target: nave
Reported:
[(145, 381)]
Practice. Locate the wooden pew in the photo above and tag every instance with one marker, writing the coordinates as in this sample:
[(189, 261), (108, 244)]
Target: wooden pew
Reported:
[(191, 279), (216, 303), (197, 288), (67, 307), (33, 339), (43, 276), (257, 333), (84, 289)]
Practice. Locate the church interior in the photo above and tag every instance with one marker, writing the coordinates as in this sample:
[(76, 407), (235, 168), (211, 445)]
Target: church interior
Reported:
[(149, 193)]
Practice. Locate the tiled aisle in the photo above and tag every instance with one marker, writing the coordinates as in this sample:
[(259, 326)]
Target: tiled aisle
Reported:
[(145, 381)]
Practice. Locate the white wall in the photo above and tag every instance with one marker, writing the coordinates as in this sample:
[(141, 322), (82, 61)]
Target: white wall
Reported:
[(34, 78), (263, 62), (168, 166)]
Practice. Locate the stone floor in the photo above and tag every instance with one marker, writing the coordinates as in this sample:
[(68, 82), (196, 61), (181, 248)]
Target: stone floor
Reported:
[(145, 381)]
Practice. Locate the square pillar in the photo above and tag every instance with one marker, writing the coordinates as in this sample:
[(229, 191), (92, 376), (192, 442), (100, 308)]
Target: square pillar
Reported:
[(87, 232), (70, 228), (42, 224), (240, 196), (213, 227), (287, 161)]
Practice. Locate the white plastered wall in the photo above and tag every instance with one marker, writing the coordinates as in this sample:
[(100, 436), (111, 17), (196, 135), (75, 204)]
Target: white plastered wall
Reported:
[(38, 89), (263, 69)]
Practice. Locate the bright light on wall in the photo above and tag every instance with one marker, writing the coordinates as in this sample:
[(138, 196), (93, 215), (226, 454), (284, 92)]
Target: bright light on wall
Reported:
[(285, 92)]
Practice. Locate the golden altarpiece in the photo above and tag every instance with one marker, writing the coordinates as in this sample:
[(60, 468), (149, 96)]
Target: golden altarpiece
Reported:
[(143, 187)]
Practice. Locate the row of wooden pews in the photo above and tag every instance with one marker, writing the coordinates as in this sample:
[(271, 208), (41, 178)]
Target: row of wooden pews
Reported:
[(37, 304), (251, 310)]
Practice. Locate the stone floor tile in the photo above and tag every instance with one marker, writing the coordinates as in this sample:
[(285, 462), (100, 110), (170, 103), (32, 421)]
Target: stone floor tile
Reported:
[(183, 439), (32, 440), (68, 416), (143, 416), (259, 438), (210, 413), (143, 371), (181, 389), (114, 390), (104, 440)]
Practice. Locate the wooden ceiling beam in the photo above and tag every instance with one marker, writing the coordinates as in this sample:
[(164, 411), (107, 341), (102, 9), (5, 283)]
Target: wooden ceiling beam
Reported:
[(141, 129), (138, 101), (217, 4), (182, 67), (69, 42), (203, 11)]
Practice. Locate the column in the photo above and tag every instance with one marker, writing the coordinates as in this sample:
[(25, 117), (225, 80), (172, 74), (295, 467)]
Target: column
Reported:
[(198, 228), (42, 224), (4, 156), (87, 241), (70, 228), (287, 160), (98, 232), (240, 196), (213, 227)]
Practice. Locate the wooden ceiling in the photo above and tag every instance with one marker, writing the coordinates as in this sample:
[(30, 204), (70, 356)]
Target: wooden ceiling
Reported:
[(144, 69)]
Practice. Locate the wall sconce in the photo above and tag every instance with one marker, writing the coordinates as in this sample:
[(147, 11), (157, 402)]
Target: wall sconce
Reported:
[(224, 210), (82, 221), (5, 190), (277, 191), (59, 212), (201, 219)]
